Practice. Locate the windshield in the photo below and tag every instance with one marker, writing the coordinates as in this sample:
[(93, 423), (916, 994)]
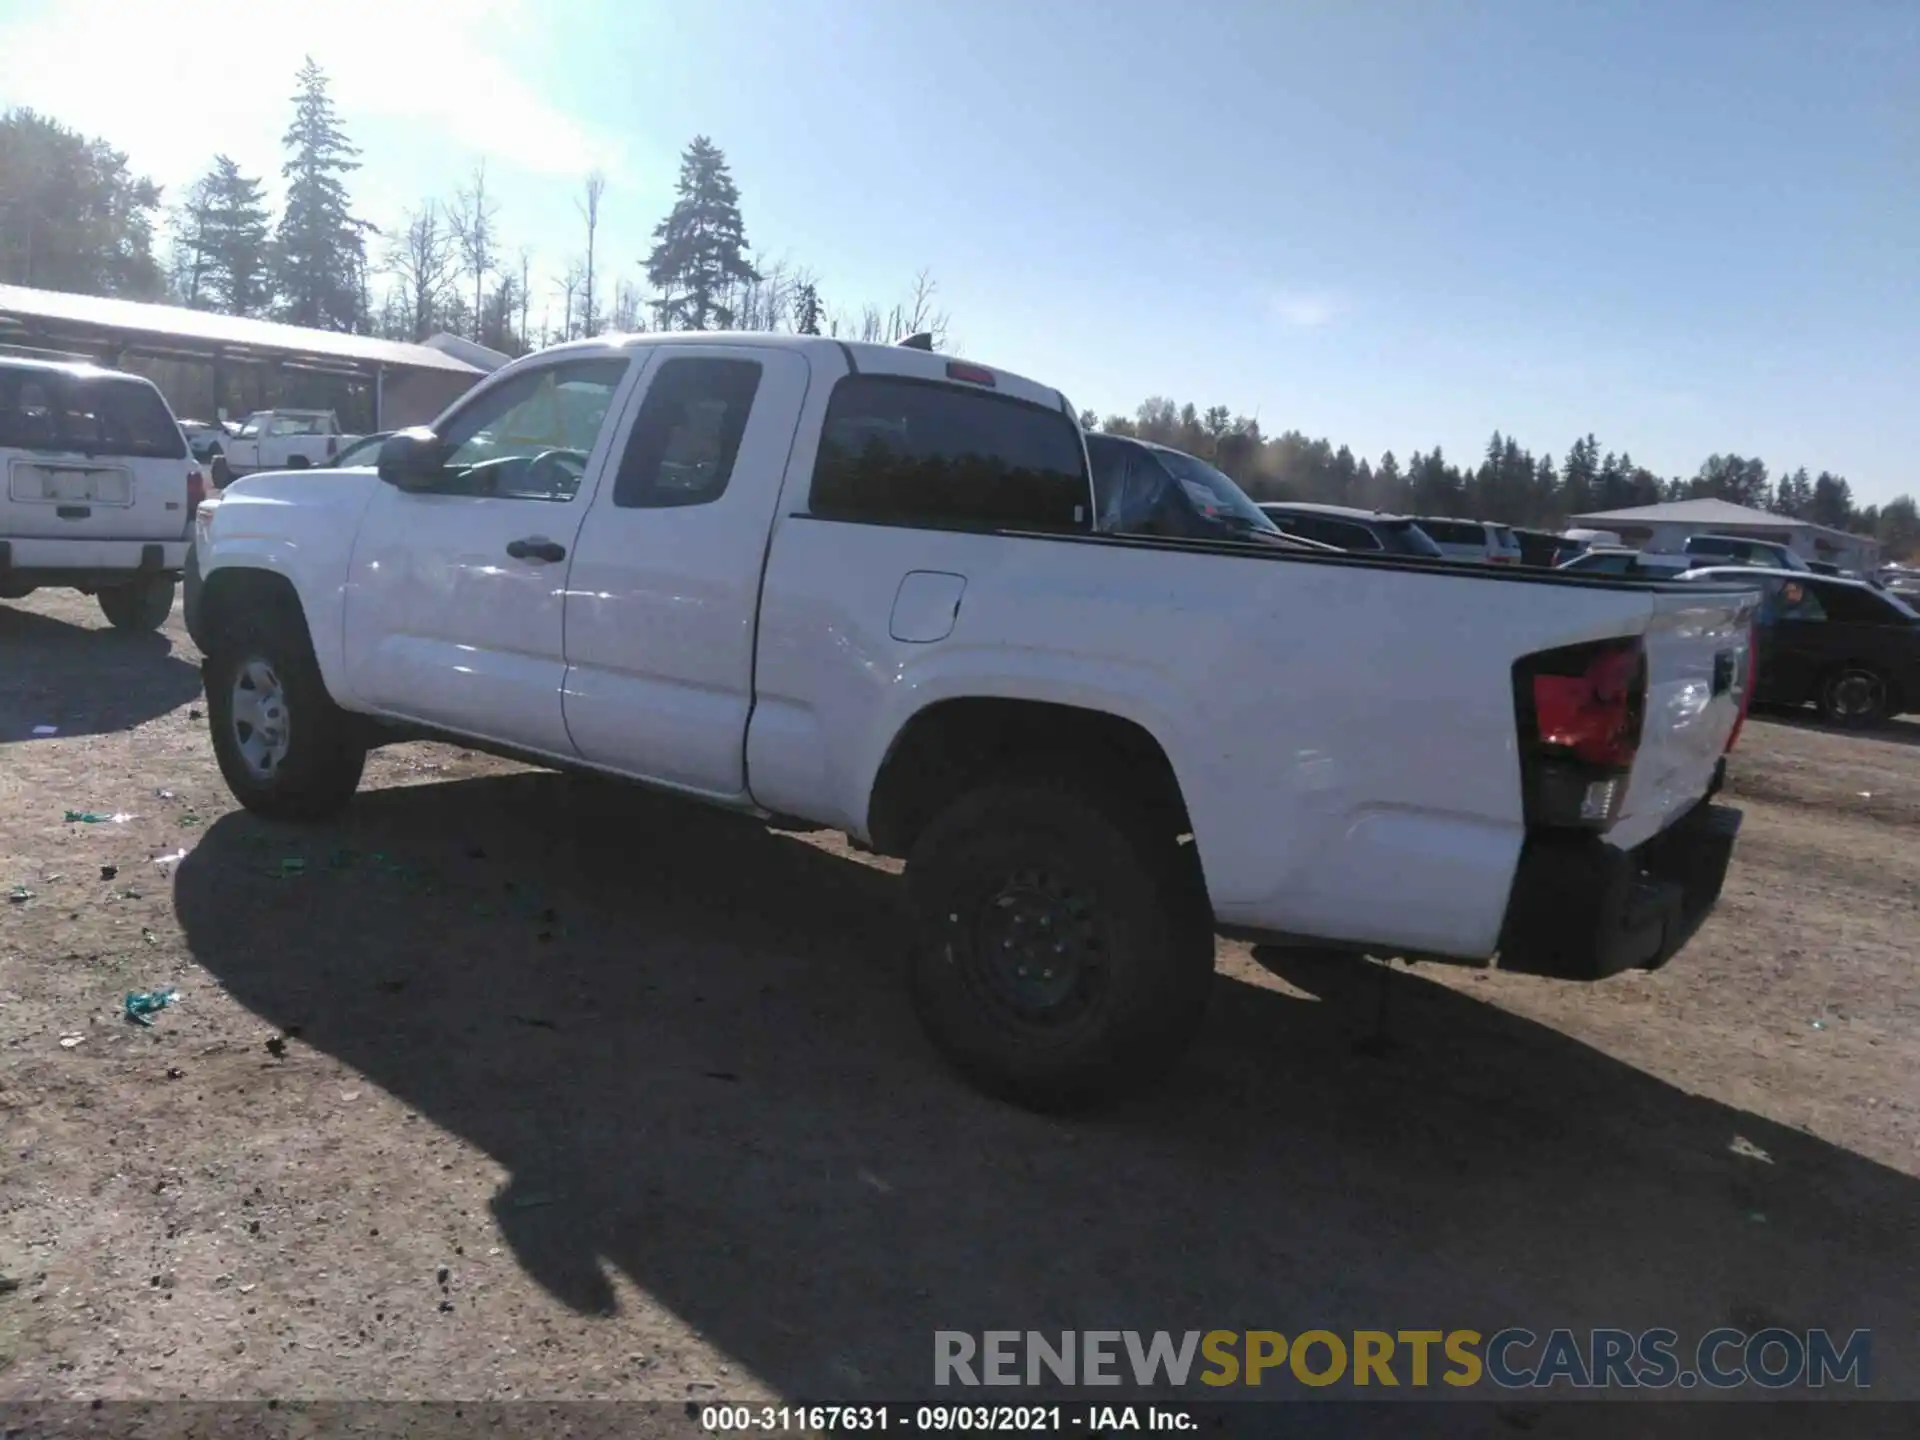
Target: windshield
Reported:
[(87, 414), (1214, 494)]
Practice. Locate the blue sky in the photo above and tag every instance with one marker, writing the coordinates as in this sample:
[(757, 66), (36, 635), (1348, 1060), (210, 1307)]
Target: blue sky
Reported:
[(1687, 227)]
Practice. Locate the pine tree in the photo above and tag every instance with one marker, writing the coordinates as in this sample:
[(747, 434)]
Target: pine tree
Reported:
[(1794, 495), (1832, 502), (1580, 476), (232, 214), (700, 249), (320, 248), (807, 308)]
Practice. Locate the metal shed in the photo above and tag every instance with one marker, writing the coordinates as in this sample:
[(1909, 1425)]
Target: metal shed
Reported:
[(206, 363), (1665, 528)]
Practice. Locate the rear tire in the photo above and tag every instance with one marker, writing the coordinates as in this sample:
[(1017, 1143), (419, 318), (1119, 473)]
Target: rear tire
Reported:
[(285, 749), (142, 604), (1855, 696), (1065, 951), (217, 467), (298, 462)]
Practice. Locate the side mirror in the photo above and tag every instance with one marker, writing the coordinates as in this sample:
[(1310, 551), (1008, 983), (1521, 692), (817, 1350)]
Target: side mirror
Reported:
[(413, 459)]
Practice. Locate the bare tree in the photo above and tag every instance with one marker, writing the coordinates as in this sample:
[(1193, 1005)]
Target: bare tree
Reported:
[(627, 309), (526, 297), (422, 259), (920, 313), (473, 220), (569, 285), (589, 207), (764, 301)]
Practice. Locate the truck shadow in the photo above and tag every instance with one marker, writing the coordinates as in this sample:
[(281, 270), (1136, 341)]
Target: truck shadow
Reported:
[(85, 681), (683, 1037)]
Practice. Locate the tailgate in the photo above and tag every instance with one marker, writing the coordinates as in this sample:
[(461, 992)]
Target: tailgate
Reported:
[(1699, 663), (57, 496)]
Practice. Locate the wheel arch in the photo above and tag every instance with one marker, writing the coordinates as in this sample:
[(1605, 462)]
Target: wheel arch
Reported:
[(956, 744)]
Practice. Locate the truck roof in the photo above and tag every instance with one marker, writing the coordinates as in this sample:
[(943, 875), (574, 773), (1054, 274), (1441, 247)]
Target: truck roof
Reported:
[(865, 357)]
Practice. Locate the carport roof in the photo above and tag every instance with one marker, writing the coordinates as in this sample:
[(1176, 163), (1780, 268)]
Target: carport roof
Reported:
[(56, 317), (1721, 514)]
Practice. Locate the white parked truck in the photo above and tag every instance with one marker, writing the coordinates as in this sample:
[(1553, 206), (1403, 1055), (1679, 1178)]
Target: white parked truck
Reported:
[(281, 440), (860, 586)]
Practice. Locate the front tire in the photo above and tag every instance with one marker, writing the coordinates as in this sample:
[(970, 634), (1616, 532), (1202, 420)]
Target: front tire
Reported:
[(1065, 952), (1855, 696), (142, 604), (285, 749), (190, 586)]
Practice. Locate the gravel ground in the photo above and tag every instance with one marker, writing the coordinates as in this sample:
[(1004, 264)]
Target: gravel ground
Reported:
[(511, 1086)]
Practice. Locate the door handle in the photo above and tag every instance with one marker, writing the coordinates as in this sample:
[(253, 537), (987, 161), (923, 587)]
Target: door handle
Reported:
[(536, 547)]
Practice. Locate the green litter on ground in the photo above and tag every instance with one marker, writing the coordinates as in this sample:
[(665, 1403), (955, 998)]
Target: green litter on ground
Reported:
[(143, 1004)]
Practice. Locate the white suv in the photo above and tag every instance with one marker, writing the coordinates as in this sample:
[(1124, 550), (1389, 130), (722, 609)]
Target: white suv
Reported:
[(1473, 540), (100, 488)]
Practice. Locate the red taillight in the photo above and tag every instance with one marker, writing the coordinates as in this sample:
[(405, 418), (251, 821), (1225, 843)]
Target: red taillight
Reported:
[(972, 374), (1747, 686), (1596, 713), (196, 489)]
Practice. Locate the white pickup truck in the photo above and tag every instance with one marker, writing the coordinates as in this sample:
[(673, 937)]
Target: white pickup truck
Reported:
[(859, 586), (280, 440)]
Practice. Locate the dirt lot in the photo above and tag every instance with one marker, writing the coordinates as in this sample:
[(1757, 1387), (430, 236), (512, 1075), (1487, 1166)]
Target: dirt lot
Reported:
[(510, 1085)]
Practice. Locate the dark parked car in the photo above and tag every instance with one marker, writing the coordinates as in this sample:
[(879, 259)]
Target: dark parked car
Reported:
[(1743, 550), (1361, 531), (1147, 489), (1838, 644)]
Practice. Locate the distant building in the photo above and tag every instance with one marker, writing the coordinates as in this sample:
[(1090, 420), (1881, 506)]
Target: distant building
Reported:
[(1664, 529), (210, 365)]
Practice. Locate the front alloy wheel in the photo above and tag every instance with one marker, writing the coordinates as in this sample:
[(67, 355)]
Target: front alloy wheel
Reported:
[(260, 718)]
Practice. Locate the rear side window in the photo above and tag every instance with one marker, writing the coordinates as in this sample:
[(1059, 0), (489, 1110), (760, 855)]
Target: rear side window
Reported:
[(107, 415), (687, 434), (910, 452)]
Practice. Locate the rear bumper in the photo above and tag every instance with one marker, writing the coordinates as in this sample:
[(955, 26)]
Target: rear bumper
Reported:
[(86, 563), (1583, 910)]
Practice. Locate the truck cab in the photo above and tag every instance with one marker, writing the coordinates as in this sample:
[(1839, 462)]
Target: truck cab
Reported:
[(282, 440)]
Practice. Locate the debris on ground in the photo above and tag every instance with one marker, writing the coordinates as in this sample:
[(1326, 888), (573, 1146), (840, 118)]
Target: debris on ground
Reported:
[(163, 794), (143, 1004), (19, 895), (107, 872), (277, 1046), (1745, 1147), (169, 859), (194, 713), (71, 1039), (88, 817), (290, 867)]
